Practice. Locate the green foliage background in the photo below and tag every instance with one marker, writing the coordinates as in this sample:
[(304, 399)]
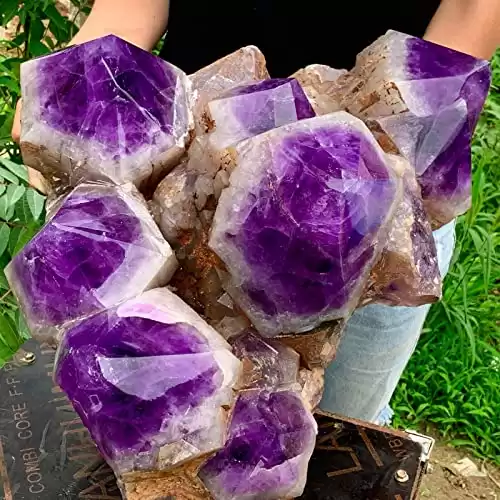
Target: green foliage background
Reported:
[(452, 382)]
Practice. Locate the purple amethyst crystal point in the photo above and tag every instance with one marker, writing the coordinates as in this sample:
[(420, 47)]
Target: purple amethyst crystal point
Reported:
[(105, 109), (271, 439), (425, 100), (149, 379), (407, 273), (100, 248), (303, 219), (242, 66), (320, 84), (267, 364), (252, 109)]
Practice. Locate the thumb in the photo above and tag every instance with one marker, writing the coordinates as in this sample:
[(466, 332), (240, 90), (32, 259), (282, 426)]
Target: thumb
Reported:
[(16, 125)]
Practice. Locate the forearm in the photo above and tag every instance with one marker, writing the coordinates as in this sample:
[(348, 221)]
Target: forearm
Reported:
[(470, 26), (141, 22)]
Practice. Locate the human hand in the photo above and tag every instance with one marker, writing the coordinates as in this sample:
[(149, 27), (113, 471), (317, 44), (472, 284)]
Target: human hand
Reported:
[(16, 125)]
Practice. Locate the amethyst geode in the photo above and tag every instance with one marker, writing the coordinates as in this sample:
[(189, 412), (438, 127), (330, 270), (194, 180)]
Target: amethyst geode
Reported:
[(423, 101), (303, 219), (149, 380), (105, 109), (271, 439), (100, 248)]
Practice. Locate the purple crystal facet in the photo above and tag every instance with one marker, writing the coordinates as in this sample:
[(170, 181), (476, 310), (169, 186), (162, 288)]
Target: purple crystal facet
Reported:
[(100, 248), (252, 109), (145, 375), (426, 100), (271, 438), (298, 226), (106, 104)]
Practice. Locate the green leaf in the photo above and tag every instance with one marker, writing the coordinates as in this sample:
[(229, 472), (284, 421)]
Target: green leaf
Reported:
[(3, 187), (8, 334), (37, 48), (19, 170), (24, 236), (36, 202), (4, 237), (14, 237), (14, 194), (23, 211), (8, 176)]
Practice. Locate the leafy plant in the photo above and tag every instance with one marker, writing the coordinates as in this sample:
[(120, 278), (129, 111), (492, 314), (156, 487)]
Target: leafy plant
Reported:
[(21, 214)]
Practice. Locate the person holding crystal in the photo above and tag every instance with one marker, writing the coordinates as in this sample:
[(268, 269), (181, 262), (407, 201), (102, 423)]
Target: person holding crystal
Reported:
[(379, 340)]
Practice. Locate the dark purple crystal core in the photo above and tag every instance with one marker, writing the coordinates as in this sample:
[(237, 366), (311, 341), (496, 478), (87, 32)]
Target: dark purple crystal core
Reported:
[(267, 430), (457, 104), (120, 422), (313, 225), (109, 91), (60, 270)]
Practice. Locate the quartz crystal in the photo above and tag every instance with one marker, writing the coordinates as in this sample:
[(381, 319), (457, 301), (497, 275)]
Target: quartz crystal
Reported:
[(267, 364), (271, 439), (320, 83), (105, 109), (100, 247), (246, 65), (423, 101), (252, 109), (407, 274), (149, 380), (173, 204), (302, 221)]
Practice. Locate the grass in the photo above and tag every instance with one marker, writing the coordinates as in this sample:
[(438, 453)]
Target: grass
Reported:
[(452, 383)]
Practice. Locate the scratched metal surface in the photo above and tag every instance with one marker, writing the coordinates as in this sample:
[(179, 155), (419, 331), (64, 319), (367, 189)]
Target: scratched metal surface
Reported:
[(358, 461), (47, 454)]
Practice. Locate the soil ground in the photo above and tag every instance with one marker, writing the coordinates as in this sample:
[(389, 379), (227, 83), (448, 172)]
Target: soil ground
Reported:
[(442, 484)]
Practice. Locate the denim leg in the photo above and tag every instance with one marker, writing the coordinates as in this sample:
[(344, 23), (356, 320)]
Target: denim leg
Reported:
[(377, 345)]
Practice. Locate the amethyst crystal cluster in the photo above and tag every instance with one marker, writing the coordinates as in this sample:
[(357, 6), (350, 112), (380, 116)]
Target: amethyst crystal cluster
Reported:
[(287, 204)]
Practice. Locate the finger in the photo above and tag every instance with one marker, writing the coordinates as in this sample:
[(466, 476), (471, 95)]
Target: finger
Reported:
[(37, 180), (16, 125)]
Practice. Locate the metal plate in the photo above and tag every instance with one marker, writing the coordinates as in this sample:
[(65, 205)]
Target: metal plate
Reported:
[(47, 454)]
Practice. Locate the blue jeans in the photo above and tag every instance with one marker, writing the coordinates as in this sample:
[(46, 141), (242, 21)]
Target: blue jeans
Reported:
[(378, 343)]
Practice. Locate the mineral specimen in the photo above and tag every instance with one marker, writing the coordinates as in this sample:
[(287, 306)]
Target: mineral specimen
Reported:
[(173, 204), (267, 364), (100, 248), (302, 221), (246, 65), (271, 439), (252, 109), (103, 110), (272, 365), (149, 380), (320, 83), (185, 200), (423, 101), (407, 273)]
